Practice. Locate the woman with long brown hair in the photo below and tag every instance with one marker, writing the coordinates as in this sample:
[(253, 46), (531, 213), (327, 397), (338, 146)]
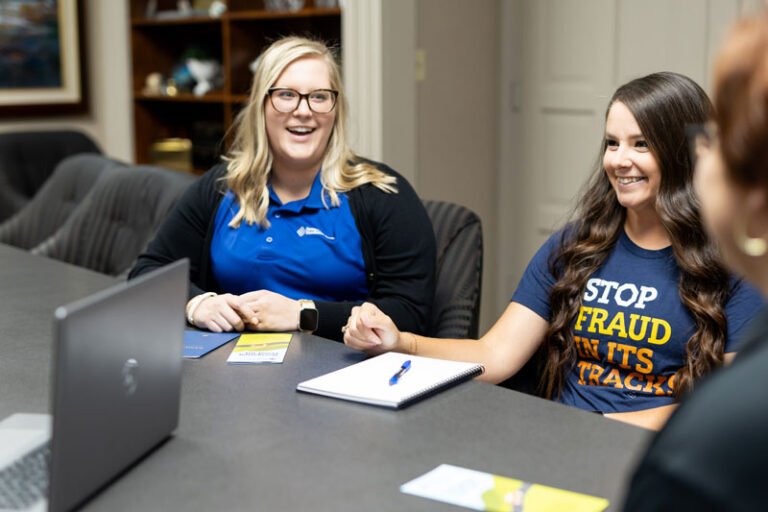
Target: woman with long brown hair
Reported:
[(629, 303)]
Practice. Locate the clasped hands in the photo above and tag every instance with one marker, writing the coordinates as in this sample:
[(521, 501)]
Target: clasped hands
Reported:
[(259, 310), (370, 330)]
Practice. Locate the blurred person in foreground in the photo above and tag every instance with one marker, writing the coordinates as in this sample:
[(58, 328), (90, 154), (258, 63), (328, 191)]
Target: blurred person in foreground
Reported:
[(711, 454)]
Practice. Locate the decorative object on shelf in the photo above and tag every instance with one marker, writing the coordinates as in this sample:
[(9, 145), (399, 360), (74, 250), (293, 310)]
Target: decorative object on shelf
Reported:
[(284, 5), (203, 67), (183, 10), (41, 71), (175, 153), (207, 74), (217, 8), (153, 85), (326, 4), (170, 88), (183, 78)]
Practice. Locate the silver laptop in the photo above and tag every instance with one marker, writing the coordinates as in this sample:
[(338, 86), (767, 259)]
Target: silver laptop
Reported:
[(116, 387)]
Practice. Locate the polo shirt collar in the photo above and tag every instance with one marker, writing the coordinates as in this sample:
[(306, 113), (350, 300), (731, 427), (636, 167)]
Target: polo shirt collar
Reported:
[(313, 200)]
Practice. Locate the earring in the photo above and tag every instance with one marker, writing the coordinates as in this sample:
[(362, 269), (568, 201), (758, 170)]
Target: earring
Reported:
[(750, 246)]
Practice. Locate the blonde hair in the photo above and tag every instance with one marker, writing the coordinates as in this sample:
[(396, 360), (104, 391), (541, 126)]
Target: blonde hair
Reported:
[(249, 162)]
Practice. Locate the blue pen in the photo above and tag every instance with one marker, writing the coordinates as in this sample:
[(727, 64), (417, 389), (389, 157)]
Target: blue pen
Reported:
[(396, 377)]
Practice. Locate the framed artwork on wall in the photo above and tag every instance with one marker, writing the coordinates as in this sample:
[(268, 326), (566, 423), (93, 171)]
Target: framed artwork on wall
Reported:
[(42, 65)]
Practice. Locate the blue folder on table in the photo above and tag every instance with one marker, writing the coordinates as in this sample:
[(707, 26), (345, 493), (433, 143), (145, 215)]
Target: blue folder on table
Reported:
[(199, 343)]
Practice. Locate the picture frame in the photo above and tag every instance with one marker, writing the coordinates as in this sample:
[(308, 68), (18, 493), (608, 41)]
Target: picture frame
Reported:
[(42, 61)]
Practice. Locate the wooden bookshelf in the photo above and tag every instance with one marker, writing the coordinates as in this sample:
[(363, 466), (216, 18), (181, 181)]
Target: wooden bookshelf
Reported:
[(235, 39)]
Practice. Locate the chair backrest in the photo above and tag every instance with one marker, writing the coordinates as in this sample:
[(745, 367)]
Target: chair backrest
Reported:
[(56, 200), (117, 218), (27, 159), (459, 270)]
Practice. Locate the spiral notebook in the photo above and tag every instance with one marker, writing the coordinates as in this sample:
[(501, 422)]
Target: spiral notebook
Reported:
[(368, 381)]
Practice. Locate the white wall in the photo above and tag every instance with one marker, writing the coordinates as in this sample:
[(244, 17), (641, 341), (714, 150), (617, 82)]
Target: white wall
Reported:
[(109, 119), (457, 105)]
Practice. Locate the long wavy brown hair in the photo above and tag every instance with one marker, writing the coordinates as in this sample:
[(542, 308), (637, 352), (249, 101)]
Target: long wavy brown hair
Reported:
[(663, 104)]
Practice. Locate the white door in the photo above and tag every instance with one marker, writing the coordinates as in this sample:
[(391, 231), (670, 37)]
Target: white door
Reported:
[(575, 53)]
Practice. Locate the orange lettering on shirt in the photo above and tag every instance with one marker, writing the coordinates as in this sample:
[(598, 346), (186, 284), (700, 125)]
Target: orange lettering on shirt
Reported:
[(628, 382), (594, 375), (583, 366), (613, 378), (644, 355), (657, 389), (625, 350), (586, 348)]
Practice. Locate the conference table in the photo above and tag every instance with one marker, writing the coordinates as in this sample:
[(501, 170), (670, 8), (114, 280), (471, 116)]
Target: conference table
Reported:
[(248, 441)]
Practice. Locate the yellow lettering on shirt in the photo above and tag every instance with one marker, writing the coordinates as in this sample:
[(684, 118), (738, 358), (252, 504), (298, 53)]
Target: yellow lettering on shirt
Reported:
[(599, 316), (633, 334), (617, 324), (654, 338), (583, 312)]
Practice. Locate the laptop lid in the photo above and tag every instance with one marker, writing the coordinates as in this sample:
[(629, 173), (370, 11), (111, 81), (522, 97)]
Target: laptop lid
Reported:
[(116, 381)]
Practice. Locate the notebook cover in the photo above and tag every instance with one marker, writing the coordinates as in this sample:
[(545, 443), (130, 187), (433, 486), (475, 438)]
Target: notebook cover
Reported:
[(368, 381)]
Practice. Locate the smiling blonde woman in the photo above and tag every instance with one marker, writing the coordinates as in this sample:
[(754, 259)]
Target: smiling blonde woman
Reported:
[(293, 229)]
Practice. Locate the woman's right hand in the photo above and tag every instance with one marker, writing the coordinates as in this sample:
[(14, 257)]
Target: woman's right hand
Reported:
[(223, 313), (370, 330)]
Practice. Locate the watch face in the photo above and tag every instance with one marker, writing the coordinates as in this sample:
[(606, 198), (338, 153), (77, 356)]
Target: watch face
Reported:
[(308, 319)]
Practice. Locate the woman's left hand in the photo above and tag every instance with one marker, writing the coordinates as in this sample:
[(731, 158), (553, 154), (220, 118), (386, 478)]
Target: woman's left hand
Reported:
[(274, 311)]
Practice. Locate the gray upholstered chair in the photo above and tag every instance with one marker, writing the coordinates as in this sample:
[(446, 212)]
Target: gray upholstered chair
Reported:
[(56, 200), (27, 159), (117, 218), (459, 270)]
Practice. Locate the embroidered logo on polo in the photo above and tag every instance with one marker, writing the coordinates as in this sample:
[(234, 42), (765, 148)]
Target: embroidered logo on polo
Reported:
[(309, 231)]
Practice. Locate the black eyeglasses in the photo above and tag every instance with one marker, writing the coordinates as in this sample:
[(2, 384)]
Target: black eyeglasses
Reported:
[(701, 139), (285, 100)]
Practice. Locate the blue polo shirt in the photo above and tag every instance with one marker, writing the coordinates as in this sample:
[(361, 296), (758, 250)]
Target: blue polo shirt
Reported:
[(308, 252)]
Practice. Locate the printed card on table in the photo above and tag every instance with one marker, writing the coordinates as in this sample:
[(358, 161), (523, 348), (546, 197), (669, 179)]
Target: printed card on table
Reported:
[(263, 348), (199, 343), (483, 491)]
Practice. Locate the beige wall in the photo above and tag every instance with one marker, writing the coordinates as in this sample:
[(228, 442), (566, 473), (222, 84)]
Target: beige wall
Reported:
[(108, 120), (457, 120)]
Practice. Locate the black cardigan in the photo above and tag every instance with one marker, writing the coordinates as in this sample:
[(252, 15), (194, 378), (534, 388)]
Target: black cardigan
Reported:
[(397, 239)]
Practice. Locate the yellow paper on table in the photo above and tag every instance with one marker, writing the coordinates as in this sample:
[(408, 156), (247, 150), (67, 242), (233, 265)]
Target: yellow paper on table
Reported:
[(263, 348), (484, 491)]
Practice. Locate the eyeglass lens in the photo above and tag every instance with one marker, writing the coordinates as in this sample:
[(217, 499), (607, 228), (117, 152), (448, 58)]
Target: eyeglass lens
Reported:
[(320, 101)]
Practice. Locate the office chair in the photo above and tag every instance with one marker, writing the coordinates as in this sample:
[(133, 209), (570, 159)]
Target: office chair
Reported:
[(459, 270), (27, 160), (117, 218), (56, 200)]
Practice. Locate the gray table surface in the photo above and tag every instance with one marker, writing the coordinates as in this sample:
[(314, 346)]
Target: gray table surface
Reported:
[(248, 441)]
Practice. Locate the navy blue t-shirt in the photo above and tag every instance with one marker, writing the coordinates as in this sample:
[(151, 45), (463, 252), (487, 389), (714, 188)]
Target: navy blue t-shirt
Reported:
[(308, 252), (632, 328)]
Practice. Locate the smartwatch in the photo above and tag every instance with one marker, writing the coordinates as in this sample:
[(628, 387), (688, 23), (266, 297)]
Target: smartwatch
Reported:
[(308, 316)]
